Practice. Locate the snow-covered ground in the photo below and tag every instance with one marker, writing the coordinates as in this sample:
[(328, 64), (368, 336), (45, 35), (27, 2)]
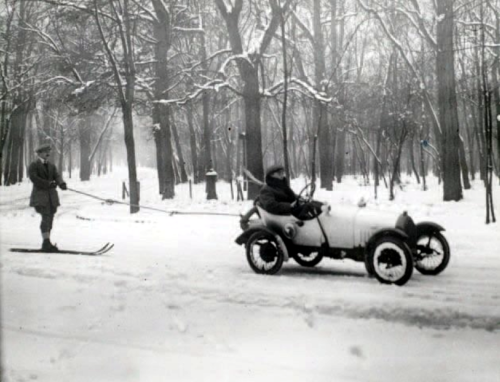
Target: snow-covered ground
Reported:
[(175, 300)]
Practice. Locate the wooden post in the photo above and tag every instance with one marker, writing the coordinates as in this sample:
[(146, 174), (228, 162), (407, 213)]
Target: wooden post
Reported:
[(124, 190), (190, 189), (244, 158), (211, 180), (239, 190)]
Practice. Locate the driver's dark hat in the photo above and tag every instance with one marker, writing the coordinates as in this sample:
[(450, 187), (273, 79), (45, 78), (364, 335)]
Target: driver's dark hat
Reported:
[(274, 168), (43, 148)]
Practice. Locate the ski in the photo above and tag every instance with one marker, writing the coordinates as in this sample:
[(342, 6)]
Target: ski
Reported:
[(104, 249)]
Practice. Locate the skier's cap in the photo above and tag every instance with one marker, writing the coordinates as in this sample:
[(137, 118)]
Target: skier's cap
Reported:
[(43, 148), (274, 168)]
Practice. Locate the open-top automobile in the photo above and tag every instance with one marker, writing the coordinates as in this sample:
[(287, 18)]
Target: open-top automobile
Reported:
[(390, 244)]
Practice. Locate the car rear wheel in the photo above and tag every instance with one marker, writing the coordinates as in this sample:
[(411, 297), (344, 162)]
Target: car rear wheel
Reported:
[(264, 254), (433, 253), (391, 261)]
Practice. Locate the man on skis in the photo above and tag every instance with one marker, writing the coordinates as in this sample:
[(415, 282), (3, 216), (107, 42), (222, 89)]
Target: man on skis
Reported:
[(44, 197)]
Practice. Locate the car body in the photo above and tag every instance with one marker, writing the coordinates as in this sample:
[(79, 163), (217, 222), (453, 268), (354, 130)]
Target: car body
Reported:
[(390, 244)]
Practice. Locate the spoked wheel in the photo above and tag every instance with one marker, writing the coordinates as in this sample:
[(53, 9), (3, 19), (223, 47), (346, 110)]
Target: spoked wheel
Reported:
[(391, 261), (263, 253), (433, 253), (308, 260)]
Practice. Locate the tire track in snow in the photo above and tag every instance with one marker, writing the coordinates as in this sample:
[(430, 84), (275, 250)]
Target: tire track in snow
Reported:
[(456, 303)]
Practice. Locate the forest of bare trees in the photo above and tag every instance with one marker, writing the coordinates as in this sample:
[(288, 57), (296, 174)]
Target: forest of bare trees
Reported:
[(372, 88)]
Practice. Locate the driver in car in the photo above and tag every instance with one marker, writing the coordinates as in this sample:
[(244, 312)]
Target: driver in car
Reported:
[(276, 197)]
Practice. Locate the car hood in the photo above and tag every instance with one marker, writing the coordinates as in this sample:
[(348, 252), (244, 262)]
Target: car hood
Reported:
[(367, 221), (376, 219)]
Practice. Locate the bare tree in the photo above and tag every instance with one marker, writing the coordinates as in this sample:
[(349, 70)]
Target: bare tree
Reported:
[(248, 64), (125, 87)]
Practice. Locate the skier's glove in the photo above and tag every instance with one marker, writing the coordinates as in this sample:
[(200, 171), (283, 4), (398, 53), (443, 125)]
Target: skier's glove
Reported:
[(53, 184), (63, 186)]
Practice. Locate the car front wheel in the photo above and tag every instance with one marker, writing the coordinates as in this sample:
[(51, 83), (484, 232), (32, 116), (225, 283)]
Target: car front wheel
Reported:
[(391, 261), (433, 253)]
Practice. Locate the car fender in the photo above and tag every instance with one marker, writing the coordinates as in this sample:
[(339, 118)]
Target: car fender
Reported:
[(427, 227), (399, 233), (243, 238)]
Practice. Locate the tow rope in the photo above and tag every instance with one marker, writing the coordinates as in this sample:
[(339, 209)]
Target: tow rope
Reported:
[(170, 212)]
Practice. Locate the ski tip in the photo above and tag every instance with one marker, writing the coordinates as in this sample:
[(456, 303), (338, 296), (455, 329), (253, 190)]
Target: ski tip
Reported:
[(104, 249)]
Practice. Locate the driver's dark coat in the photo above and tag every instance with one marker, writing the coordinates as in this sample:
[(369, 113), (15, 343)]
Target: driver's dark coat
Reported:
[(276, 197)]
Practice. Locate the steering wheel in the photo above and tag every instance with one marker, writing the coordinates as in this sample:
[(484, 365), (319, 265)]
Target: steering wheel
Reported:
[(303, 200)]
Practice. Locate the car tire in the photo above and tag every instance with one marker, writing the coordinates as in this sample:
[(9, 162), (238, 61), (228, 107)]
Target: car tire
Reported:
[(368, 267), (391, 260), (264, 254), (310, 261), (433, 253)]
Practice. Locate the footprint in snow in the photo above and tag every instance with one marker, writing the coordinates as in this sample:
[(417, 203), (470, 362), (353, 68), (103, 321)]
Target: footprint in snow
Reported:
[(180, 325), (356, 351)]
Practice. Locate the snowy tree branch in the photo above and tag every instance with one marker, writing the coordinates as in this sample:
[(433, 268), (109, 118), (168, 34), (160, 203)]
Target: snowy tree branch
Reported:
[(114, 65)]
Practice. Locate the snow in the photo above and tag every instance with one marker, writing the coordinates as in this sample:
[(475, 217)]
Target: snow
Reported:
[(255, 44), (82, 88), (175, 300)]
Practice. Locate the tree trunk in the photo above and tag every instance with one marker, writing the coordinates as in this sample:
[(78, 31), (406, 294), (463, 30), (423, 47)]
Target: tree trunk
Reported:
[(422, 160), (207, 158), (128, 125), (396, 165), (320, 112), (22, 139), (192, 142), (249, 74), (479, 112), (411, 145), (253, 131), (18, 126), (163, 140), (19, 107), (447, 100), (84, 132), (160, 165), (61, 148), (70, 159), (285, 100), (470, 140), (496, 88), (14, 151), (180, 155), (4, 121), (463, 164), (161, 112), (31, 143)]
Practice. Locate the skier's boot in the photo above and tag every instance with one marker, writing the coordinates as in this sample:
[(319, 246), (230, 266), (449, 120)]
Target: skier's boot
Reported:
[(47, 246)]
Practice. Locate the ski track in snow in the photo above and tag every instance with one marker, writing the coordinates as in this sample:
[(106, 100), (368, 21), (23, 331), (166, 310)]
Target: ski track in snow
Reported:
[(179, 285)]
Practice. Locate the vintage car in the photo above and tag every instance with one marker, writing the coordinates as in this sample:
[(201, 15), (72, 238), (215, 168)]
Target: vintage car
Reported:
[(389, 244)]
